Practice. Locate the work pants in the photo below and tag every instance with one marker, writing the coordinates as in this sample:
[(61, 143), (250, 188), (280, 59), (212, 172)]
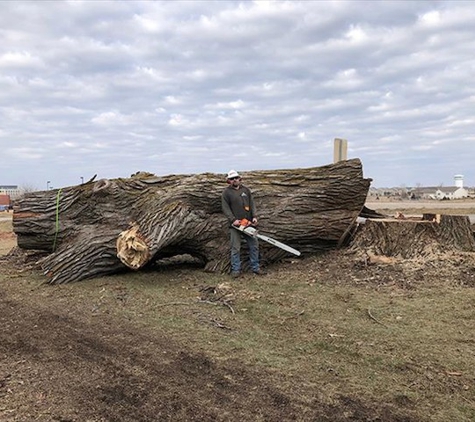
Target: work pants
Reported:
[(253, 245)]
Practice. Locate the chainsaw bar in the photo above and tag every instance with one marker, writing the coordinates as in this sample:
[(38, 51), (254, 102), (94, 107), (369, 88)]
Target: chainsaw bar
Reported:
[(251, 231)]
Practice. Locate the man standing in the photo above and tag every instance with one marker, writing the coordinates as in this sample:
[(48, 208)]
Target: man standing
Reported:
[(237, 203)]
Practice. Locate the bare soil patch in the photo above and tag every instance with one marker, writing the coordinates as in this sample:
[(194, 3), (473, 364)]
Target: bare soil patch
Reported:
[(7, 237), (327, 338)]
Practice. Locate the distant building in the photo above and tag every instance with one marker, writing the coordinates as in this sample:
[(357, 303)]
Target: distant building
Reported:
[(424, 192), (12, 190), (439, 192), (451, 192), (4, 202)]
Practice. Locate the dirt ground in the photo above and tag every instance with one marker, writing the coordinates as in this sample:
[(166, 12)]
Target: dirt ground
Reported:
[(64, 357), (59, 364)]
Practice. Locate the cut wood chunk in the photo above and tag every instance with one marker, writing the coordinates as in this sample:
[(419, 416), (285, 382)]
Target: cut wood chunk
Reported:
[(132, 249)]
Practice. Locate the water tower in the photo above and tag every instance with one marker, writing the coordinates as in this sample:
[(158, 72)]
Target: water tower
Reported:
[(458, 180)]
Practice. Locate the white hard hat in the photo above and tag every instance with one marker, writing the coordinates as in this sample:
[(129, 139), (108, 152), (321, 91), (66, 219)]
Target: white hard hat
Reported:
[(232, 174)]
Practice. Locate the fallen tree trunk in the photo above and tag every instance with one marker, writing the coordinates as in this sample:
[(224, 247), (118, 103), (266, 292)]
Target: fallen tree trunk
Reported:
[(103, 227)]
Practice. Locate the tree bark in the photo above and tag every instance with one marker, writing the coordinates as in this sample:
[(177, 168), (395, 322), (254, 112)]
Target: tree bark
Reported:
[(411, 238), (106, 226)]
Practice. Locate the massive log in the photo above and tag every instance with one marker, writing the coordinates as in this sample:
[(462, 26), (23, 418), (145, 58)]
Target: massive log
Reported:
[(105, 226)]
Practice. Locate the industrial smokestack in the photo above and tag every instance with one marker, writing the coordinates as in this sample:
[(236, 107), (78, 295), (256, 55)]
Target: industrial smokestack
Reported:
[(340, 150)]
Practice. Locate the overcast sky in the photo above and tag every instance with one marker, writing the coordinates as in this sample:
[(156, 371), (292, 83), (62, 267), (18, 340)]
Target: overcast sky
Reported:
[(172, 87)]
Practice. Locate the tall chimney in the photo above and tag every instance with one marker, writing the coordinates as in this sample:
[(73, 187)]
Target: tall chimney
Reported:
[(340, 150)]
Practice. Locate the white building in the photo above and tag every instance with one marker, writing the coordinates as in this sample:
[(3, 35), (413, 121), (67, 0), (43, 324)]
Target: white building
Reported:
[(441, 192), (12, 190), (451, 192)]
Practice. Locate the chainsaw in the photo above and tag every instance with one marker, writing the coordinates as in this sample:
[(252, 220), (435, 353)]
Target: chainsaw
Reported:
[(245, 226)]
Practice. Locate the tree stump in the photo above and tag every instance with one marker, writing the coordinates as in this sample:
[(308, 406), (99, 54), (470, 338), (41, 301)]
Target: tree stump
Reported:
[(106, 226), (411, 238)]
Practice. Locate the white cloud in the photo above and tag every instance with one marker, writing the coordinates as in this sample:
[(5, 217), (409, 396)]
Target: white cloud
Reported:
[(176, 120), (431, 18), (111, 118), (67, 144), (24, 153), (21, 59), (356, 34)]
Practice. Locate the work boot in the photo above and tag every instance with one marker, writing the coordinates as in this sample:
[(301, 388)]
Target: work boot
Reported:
[(260, 271), (235, 274)]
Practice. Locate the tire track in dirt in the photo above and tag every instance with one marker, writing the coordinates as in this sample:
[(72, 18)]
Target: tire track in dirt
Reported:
[(59, 364)]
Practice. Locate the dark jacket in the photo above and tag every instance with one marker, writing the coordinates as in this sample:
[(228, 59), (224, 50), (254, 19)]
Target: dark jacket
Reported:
[(238, 203)]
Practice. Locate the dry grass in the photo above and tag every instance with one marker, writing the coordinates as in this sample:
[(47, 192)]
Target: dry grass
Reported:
[(383, 335), (458, 207), (396, 336), (5, 221), (7, 238)]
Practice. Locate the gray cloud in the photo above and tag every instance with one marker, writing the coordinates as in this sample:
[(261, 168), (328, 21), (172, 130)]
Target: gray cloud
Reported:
[(186, 87)]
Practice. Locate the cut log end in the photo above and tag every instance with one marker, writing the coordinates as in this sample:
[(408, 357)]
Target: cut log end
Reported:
[(132, 248), (415, 237)]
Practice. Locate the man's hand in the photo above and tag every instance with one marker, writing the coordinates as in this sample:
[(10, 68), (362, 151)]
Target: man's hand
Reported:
[(254, 221), (237, 223)]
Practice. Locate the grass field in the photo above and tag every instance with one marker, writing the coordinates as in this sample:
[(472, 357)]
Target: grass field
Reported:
[(324, 338)]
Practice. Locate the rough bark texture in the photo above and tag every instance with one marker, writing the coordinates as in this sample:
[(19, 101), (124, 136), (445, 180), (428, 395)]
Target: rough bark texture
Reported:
[(86, 227), (410, 238)]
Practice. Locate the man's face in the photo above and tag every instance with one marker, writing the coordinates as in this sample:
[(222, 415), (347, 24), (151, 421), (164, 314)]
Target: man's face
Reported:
[(235, 181)]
